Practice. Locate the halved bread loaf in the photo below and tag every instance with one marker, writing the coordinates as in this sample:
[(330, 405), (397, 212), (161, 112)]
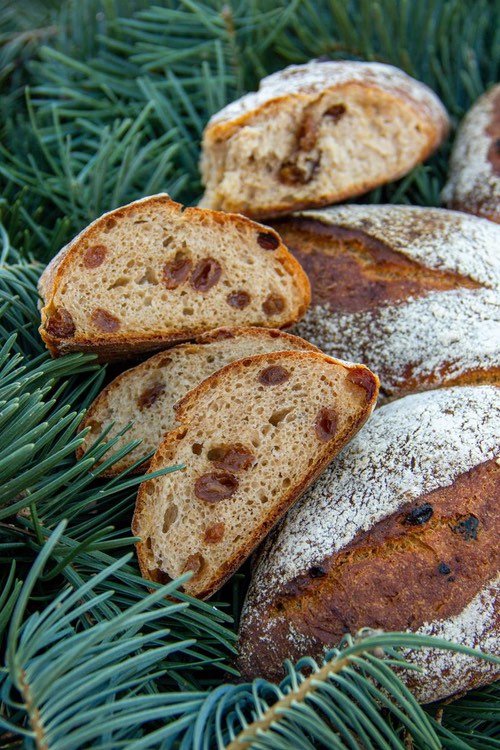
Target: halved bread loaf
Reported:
[(253, 437), (317, 134), (151, 274), (146, 394)]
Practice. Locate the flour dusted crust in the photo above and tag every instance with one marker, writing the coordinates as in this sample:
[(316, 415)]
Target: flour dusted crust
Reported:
[(413, 470), (145, 395), (253, 436), (413, 292), (474, 179), (316, 134), (152, 273)]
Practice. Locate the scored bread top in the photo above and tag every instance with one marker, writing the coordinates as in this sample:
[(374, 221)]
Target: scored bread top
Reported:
[(315, 76), (400, 533), (474, 177), (413, 292), (152, 273), (255, 434), (146, 394)]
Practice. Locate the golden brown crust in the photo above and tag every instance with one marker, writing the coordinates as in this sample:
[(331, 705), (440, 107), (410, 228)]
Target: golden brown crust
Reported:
[(352, 271), (424, 563), (363, 382), (116, 346)]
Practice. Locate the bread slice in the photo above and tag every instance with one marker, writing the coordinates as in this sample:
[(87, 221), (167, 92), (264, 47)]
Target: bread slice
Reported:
[(152, 273), (317, 134), (254, 435), (145, 395)]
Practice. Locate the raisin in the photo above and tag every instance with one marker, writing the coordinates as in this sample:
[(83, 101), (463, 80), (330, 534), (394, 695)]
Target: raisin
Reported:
[(317, 571), (273, 304), (150, 395), (94, 256), (215, 486), (175, 272), (467, 527), (335, 113), (231, 458), (105, 320), (194, 563), (362, 377), (444, 569), (60, 324), (274, 375), (419, 515), (238, 299), (206, 274), (268, 241), (326, 424), (214, 533)]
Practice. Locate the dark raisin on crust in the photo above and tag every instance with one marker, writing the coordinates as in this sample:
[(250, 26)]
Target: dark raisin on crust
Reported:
[(273, 375), (215, 486), (419, 515), (60, 324), (326, 424), (467, 527), (206, 274), (317, 571)]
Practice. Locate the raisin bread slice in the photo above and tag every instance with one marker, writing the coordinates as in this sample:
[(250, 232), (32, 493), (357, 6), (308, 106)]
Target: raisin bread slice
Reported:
[(145, 395), (152, 273), (253, 437), (316, 134)]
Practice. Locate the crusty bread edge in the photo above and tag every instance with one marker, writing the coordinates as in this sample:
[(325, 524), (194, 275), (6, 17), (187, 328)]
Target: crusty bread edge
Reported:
[(114, 347), (323, 458)]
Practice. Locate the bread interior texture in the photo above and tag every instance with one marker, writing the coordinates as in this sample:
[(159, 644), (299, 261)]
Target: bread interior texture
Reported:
[(313, 150)]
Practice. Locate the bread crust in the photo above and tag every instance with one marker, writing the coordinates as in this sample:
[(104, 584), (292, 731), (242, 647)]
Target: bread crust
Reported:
[(186, 413), (93, 414), (425, 282), (307, 85), (128, 345), (399, 534), (474, 177)]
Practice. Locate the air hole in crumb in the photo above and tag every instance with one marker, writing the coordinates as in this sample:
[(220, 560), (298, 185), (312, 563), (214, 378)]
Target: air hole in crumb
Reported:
[(110, 224), (279, 416), (149, 277), (169, 517), (122, 281), (286, 482), (187, 311), (197, 449)]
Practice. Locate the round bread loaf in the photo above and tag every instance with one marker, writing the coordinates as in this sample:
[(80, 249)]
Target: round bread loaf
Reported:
[(317, 134), (474, 180), (399, 533), (412, 292)]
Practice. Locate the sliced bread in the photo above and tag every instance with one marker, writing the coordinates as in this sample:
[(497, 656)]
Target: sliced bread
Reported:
[(152, 274), (145, 395), (254, 435)]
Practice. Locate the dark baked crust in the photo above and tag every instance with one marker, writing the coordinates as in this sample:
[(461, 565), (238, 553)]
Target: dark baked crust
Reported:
[(424, 563)]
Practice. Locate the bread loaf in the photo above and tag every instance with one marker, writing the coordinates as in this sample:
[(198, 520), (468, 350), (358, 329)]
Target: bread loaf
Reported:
[(152, 273), (253, 436), (146, 394), (474, 179), (412, 292), (399, 533), (317, 134)]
